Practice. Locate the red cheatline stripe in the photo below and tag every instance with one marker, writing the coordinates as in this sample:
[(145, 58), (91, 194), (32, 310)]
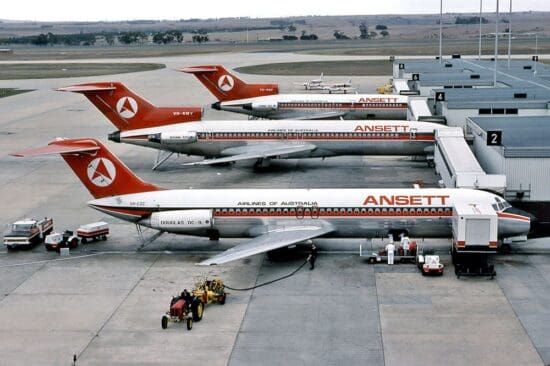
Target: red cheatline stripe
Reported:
[(127, 211), (406, 137), (513, 216), (401, 106), (314, 215), (145, 212), (141, 137)]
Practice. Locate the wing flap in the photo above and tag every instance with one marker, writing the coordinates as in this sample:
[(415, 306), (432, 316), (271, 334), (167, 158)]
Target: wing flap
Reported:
[(274, 239), (260, 151)]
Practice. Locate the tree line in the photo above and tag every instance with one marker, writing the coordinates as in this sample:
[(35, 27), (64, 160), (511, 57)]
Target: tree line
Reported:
[(89, 39), (364, 32)]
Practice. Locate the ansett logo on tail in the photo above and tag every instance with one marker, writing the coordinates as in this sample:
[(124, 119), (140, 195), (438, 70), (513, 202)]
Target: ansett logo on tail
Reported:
[(127, 107), (101, 172), (226, 82)]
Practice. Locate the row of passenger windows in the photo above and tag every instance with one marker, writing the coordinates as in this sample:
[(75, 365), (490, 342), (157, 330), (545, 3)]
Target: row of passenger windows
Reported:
[(337, 105), (334, 211), (297, 135), (498, 111)]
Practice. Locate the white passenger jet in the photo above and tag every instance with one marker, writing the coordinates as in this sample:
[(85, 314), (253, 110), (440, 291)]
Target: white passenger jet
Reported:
[(271, 218), (319, 84), (230, 141), (264, 100)]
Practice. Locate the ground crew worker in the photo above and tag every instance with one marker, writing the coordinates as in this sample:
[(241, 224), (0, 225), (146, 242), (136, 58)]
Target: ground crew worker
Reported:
[(390, 249), (312, 256), (405, 244), (185, 295)]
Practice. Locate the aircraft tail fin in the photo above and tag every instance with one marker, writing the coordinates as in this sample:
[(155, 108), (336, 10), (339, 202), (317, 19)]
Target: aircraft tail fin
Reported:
[(127, 110), (100, 171), (226, 86)]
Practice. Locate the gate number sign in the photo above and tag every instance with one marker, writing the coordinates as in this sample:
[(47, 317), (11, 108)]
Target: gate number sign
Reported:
[(494, 138)]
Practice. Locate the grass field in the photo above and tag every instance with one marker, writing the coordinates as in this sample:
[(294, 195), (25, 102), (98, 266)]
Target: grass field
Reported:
[(376, 47), (6, 92), (63, 70), (431, 47), (336, 68)]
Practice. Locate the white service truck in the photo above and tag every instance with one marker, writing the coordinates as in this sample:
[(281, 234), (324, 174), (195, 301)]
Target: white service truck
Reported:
[(475, 236), (27, 232), (475, 228)]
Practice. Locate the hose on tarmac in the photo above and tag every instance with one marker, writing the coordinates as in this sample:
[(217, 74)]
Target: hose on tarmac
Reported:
[(269, 282)]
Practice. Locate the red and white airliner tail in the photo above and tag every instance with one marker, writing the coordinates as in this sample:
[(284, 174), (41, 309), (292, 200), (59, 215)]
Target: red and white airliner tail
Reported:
[(99, 170), (127, 110), (226, 86)]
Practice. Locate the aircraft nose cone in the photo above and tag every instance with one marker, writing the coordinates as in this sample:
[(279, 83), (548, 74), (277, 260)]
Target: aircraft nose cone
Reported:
[(115, 136), (216, 106), (531, 224)]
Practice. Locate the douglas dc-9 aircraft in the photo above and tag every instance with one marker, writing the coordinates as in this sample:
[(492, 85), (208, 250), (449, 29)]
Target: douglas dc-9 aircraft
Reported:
[(230, 141), (264, 100), (272, 218)]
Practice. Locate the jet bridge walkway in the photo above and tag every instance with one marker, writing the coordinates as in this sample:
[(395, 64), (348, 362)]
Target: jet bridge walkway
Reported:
[(457, 165)]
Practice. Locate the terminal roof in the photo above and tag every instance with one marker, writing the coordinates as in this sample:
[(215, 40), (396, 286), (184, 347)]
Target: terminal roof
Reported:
[(522, 137)]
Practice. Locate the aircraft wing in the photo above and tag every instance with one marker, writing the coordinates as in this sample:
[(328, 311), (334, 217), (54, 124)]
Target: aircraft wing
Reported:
[(273, 239), (322, 115), (259, 151), (344, 89)]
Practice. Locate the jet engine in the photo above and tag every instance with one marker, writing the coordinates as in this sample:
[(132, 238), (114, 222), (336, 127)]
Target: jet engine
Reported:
[(180, 220), (174, 138), (263, 106)]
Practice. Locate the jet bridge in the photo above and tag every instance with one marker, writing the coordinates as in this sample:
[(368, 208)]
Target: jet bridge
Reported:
[(401, 87), (457, 165)]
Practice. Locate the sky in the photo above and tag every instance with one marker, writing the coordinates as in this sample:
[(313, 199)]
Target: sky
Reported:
[(92, 10)]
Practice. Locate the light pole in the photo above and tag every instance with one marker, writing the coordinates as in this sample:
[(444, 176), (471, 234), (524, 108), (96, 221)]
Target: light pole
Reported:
[(510, 35), (496, 50), (440, 28), (480, 13)]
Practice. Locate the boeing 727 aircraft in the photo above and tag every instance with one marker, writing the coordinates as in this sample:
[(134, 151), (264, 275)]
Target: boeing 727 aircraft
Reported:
[(230, 141), (264, 100)]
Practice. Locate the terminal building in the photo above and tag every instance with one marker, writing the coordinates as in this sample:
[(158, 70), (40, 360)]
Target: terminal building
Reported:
[(501, 139), (519, 148)]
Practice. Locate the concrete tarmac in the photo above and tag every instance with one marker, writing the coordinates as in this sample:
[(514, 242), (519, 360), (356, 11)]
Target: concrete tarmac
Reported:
[(104, 302)]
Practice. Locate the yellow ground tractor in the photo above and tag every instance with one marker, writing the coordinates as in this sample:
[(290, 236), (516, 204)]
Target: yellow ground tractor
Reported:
[(209, 291), (386, 88)]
